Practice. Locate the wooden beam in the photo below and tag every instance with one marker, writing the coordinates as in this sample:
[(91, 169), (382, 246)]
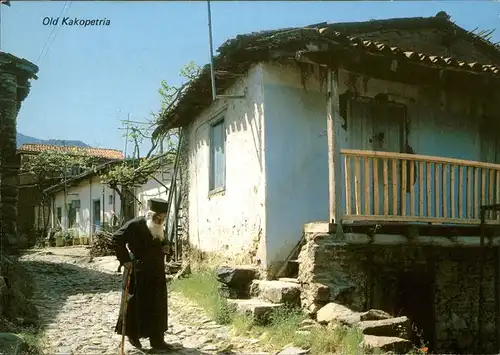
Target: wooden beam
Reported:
[(353, 219), (332, 128), (398, 239)]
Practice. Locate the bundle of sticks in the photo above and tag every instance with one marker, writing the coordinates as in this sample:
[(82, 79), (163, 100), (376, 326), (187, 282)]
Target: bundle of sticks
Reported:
[(102, 244)]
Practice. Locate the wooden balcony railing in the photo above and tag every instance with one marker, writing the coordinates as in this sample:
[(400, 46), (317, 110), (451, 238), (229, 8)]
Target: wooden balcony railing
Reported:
[(417, 188)]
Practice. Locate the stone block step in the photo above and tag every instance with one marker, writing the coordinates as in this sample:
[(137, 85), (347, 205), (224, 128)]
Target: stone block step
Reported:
[(387, 344), (276, 291), (257, 309), (289, 279)]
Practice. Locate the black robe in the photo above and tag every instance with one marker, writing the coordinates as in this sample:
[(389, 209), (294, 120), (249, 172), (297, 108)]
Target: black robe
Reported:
[(147, 311)]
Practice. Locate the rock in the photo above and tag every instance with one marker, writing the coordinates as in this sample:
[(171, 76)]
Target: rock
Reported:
[(292, 350), (232, 293), (12, 344), (375, 314), (334, 312), (276, 291), (258, 310), (385, 344), (304, 333), (306, 322), (393, 327), (236, 277), (289, 279)]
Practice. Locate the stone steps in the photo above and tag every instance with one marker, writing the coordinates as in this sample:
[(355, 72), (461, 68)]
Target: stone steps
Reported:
[(258, 310), (276, 291)]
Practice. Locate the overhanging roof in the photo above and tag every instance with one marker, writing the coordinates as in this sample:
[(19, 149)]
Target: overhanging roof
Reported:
[(316, 42)]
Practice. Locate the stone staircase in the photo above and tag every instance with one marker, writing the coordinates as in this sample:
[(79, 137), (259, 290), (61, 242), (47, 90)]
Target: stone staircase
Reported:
[(249, 295)]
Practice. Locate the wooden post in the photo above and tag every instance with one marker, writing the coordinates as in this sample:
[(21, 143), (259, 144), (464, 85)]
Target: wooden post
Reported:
[(332, 130)]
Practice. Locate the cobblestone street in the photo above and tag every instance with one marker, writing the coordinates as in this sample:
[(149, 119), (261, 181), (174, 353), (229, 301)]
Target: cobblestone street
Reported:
[(78, 300)]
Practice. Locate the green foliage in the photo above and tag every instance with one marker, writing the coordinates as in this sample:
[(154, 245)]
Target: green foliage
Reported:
[(202, 288), (136, 171), (52, 164)]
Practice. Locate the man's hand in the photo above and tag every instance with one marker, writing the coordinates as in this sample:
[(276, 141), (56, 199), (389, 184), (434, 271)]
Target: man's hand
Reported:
[(166, 249), (128, 266)]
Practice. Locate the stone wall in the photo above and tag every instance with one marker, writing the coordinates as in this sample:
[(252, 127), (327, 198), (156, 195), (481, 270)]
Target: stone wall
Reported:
[(29, 200), (15, 74), (438, 288)]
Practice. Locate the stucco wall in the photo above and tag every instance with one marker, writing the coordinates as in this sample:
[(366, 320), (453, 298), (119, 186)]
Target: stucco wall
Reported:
[(447, 125), (296, 157), (231, 222), (151, 189), (277, 177), (87, 191)]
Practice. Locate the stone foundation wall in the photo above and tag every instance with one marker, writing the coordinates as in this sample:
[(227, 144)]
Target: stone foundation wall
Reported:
[(331, 271), (364, 276)]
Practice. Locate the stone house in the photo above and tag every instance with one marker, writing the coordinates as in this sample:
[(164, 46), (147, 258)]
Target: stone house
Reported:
[(33, 214), (386, 131)]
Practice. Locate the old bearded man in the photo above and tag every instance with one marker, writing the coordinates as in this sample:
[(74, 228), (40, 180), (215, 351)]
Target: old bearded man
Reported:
[(147, 312)]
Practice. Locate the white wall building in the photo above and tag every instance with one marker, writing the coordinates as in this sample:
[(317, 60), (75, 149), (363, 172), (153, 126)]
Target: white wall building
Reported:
[(91, 203), (256, 160)]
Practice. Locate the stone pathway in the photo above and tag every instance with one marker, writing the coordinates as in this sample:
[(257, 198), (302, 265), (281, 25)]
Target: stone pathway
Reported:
[(79, 300)]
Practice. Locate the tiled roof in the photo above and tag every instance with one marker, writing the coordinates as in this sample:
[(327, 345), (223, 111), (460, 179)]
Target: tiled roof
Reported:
[(379, 37), (90, 151), (401, 54)]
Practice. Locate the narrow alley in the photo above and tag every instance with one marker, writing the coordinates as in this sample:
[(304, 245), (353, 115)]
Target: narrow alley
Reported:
[(78, 299)]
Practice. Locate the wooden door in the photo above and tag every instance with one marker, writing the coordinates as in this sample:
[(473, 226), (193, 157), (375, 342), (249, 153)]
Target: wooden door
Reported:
[(96, 214), (376, 126)]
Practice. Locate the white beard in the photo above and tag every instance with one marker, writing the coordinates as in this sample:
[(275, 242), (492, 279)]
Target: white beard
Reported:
[(156, 229)]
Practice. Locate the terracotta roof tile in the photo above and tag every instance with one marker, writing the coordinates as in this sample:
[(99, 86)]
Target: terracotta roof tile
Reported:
[(389, 38), (375, 46), (95, 152)]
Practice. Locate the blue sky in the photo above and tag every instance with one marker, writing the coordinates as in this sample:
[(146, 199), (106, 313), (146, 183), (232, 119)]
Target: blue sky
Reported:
[(92, 77)]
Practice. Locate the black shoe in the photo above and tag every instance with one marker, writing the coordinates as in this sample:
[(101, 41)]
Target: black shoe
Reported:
[(135, 342), (160, 345)]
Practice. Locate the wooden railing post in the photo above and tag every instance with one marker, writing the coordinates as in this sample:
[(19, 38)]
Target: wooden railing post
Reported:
[(332, 129), (454, 197)]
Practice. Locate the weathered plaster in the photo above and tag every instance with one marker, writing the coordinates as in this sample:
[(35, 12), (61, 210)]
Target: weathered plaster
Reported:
[(232, 221)]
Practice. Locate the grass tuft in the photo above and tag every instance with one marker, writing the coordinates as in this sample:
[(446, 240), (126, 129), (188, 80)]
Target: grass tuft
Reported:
[(202, 288)]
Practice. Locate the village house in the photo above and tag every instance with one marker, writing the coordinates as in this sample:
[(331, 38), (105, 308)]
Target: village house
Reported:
[(33, 214), (385, 130), (92, 204)]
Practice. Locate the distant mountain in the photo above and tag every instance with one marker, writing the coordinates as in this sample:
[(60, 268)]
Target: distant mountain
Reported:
[(22, 139)]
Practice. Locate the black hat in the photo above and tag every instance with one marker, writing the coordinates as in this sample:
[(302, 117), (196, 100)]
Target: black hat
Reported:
[(158, 205)]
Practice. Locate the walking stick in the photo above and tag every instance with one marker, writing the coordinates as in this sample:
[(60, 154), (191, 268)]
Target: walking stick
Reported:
[(124, 316)]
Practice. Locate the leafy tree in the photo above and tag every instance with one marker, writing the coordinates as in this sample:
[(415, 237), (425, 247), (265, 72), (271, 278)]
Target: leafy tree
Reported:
[(137, 169)]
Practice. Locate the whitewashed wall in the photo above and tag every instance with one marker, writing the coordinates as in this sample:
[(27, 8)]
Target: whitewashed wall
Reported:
[(296, 157), (297, 150), (231, 222), (277, 156), (87, 191), (152, 189)]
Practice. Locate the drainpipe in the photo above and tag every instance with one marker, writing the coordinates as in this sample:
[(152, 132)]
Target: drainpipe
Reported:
[(53, 211), (102, 207), (91, 234)]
